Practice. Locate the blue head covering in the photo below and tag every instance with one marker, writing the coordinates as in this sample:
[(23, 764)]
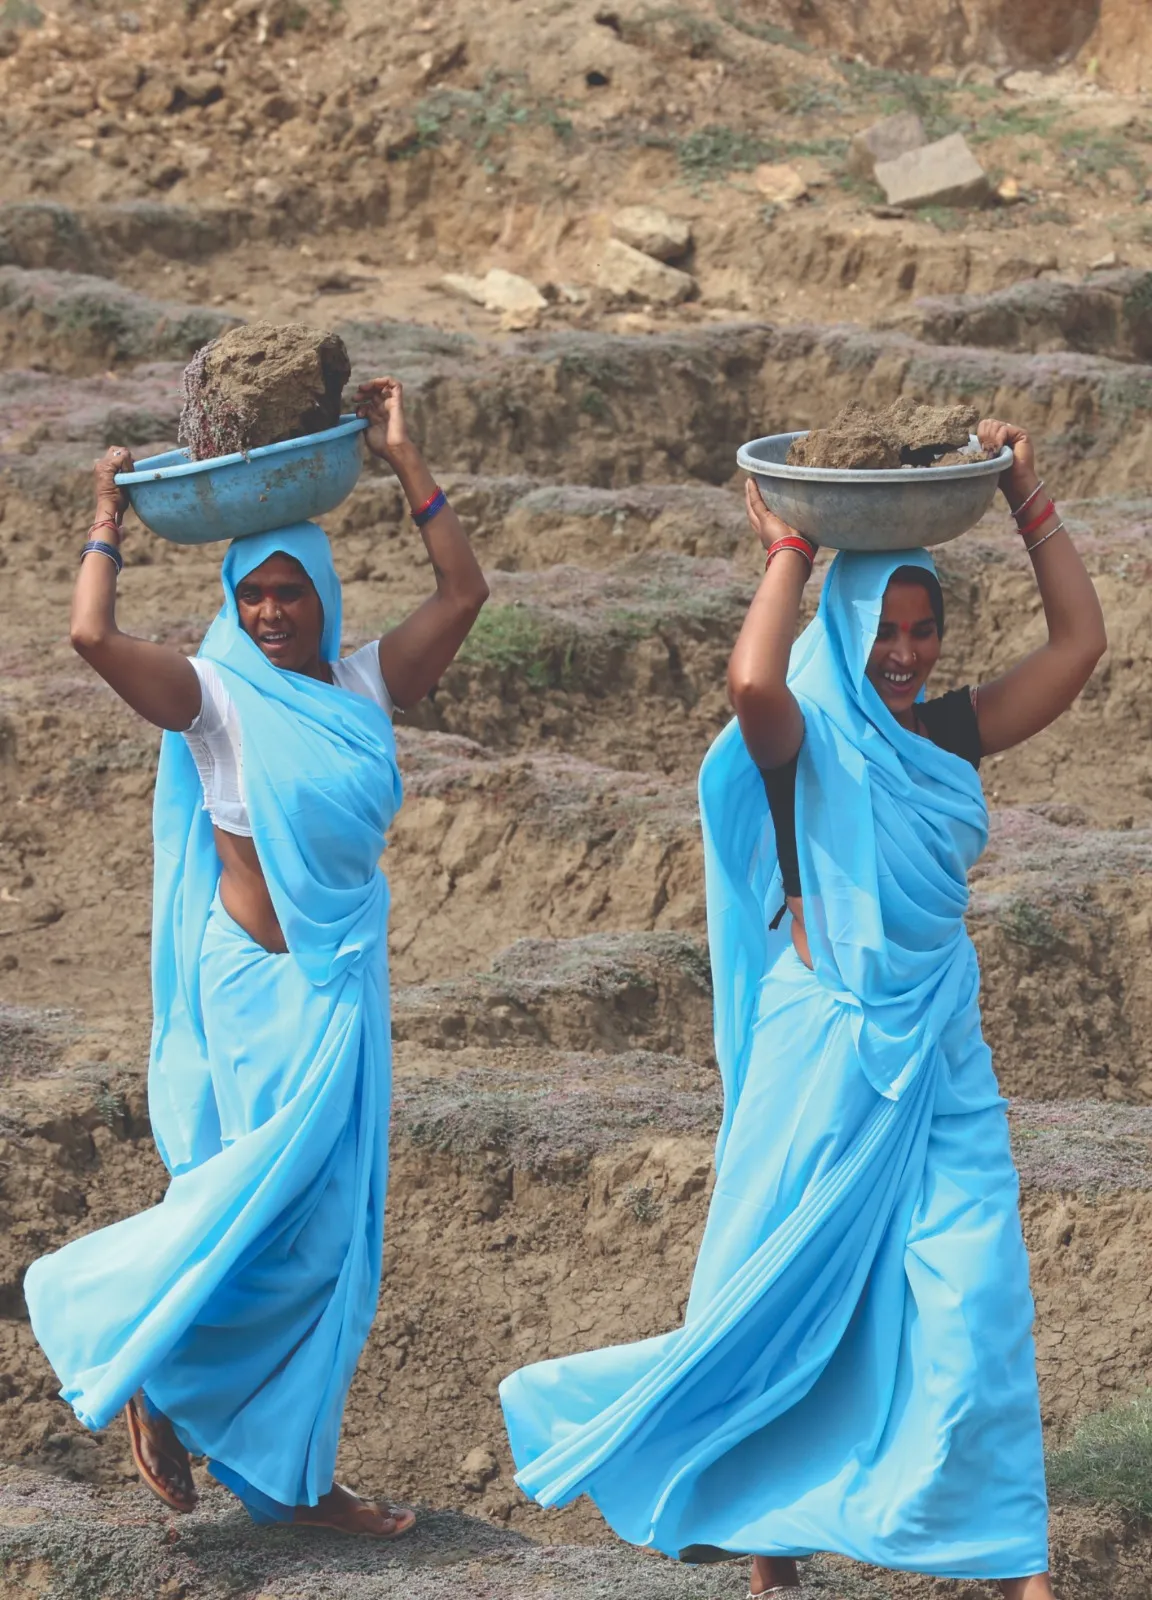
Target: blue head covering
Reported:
[(321, 786), (887, 826)]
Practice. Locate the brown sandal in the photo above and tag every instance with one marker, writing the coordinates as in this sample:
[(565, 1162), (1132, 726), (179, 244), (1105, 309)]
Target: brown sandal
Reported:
[(172, 1454), (360, 1519)]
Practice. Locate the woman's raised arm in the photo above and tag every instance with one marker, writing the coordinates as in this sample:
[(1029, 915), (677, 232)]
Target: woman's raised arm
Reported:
[(1044, 684), (770, 719), (154, 679), (416, 653)]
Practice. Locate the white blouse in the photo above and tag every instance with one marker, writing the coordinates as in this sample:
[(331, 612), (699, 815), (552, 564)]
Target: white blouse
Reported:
[(214, 737)]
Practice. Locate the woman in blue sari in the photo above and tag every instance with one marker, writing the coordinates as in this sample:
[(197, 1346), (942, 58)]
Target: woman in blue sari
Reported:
[(855, 1372), (228, 1320)]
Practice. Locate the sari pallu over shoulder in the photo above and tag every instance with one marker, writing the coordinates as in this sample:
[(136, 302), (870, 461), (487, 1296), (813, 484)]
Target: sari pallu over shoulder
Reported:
[(712, 1434), (241, 1302)]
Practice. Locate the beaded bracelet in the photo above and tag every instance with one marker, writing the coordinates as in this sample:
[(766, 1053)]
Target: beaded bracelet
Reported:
[(98, 547), (430, 508)]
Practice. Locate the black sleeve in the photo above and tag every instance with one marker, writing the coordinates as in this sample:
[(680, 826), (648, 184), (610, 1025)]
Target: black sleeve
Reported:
[(950, 722), (780, 787)]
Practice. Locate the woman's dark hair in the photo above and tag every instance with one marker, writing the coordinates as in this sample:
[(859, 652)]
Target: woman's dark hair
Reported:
[(930, 583)]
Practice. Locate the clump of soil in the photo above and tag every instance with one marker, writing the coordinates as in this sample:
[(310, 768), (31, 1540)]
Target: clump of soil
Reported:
[(260, 384), (904, 434)]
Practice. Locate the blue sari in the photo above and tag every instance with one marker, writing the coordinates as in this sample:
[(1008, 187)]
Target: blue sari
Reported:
[(241, 1303), (855, 1372)]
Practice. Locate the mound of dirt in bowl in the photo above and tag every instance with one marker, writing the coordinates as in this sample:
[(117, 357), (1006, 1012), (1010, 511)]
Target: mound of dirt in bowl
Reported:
[(904, 434), (261, 384)]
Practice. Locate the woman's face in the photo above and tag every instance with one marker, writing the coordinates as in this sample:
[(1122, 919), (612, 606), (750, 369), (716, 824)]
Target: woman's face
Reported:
[(281, 611), (907, 646)]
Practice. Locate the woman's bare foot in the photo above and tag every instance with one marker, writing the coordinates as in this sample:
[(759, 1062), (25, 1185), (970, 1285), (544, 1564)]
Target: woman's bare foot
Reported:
[(161, 1460), (345, 1512), (776, 1572)]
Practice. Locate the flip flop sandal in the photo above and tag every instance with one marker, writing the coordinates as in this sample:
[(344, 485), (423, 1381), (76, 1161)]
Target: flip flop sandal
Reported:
[(149, 1478), (403, 1518)]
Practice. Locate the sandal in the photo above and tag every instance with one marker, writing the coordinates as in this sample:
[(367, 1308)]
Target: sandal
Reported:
[(361, 1518), (173, 1457)]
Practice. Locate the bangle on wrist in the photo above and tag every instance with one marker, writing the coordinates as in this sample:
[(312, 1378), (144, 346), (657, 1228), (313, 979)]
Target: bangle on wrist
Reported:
[(1024, 504), (106, 522), (434, 504), (1038, 521), (100, 547), (792, 541)]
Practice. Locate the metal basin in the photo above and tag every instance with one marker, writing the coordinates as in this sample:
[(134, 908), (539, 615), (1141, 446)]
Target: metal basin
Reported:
[(897, 509), (229, 497)]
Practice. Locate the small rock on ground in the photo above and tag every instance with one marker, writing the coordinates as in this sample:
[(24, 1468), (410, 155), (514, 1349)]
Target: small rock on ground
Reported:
[(884, 141), (654, 232), (631, 275), (945, 173)]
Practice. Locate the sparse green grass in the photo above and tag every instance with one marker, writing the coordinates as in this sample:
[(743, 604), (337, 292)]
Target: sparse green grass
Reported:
[(712, 152), (1016, 123), (511, 638), (1108, 1460), (20, 14), (1099, 154), (686, 30), (886, 91), (765, 31), (485, 118)]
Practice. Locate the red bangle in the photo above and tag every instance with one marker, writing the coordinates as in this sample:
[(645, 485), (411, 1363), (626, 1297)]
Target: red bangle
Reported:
[(792, 541), (420, 510), (1048, 511)]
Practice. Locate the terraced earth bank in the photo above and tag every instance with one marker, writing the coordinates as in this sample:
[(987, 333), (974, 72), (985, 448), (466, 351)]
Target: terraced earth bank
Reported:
[(556, 1094)]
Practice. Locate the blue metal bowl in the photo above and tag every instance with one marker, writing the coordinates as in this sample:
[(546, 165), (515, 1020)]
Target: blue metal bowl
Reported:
[(229, 497)]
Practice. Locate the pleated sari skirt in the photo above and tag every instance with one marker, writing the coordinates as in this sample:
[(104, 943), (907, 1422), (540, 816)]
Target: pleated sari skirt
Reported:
[(856, 1371), (241, 1303)]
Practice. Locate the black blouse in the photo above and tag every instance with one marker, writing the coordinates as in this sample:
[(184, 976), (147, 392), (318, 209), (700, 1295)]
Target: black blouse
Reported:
[(949, 721)]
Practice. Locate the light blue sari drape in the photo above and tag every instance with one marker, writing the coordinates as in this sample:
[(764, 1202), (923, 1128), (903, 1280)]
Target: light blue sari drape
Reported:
[(855, 1372), (240, 1304)]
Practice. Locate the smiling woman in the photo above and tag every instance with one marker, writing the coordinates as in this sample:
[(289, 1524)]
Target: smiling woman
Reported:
[(855, 1370), (227, 1322)]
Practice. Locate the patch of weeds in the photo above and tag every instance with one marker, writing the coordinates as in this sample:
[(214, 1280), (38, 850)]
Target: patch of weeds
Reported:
[(1138, 300), (692, 34), (599, 370), (866, 190), (808, 96), (643, 1204), (1099, 154), (483, 117), (1053, 214), (949, 219), (710, 153), (888, 91), (110, 1108), (833, 149), (514, 639), (765, 31), (20, 14), (1029, 925), (594, 404), (1108, 1460), (1014, 123)]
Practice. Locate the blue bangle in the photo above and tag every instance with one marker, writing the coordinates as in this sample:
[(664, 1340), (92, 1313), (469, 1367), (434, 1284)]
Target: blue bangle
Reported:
[(437, 503), (102, 549)]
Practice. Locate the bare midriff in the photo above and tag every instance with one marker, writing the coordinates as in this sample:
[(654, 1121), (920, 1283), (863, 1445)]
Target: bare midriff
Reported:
[(244, 891), (799, 932)]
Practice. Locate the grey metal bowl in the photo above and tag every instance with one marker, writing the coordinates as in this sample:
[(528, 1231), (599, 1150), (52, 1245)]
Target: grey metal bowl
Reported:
[(895, 509)]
